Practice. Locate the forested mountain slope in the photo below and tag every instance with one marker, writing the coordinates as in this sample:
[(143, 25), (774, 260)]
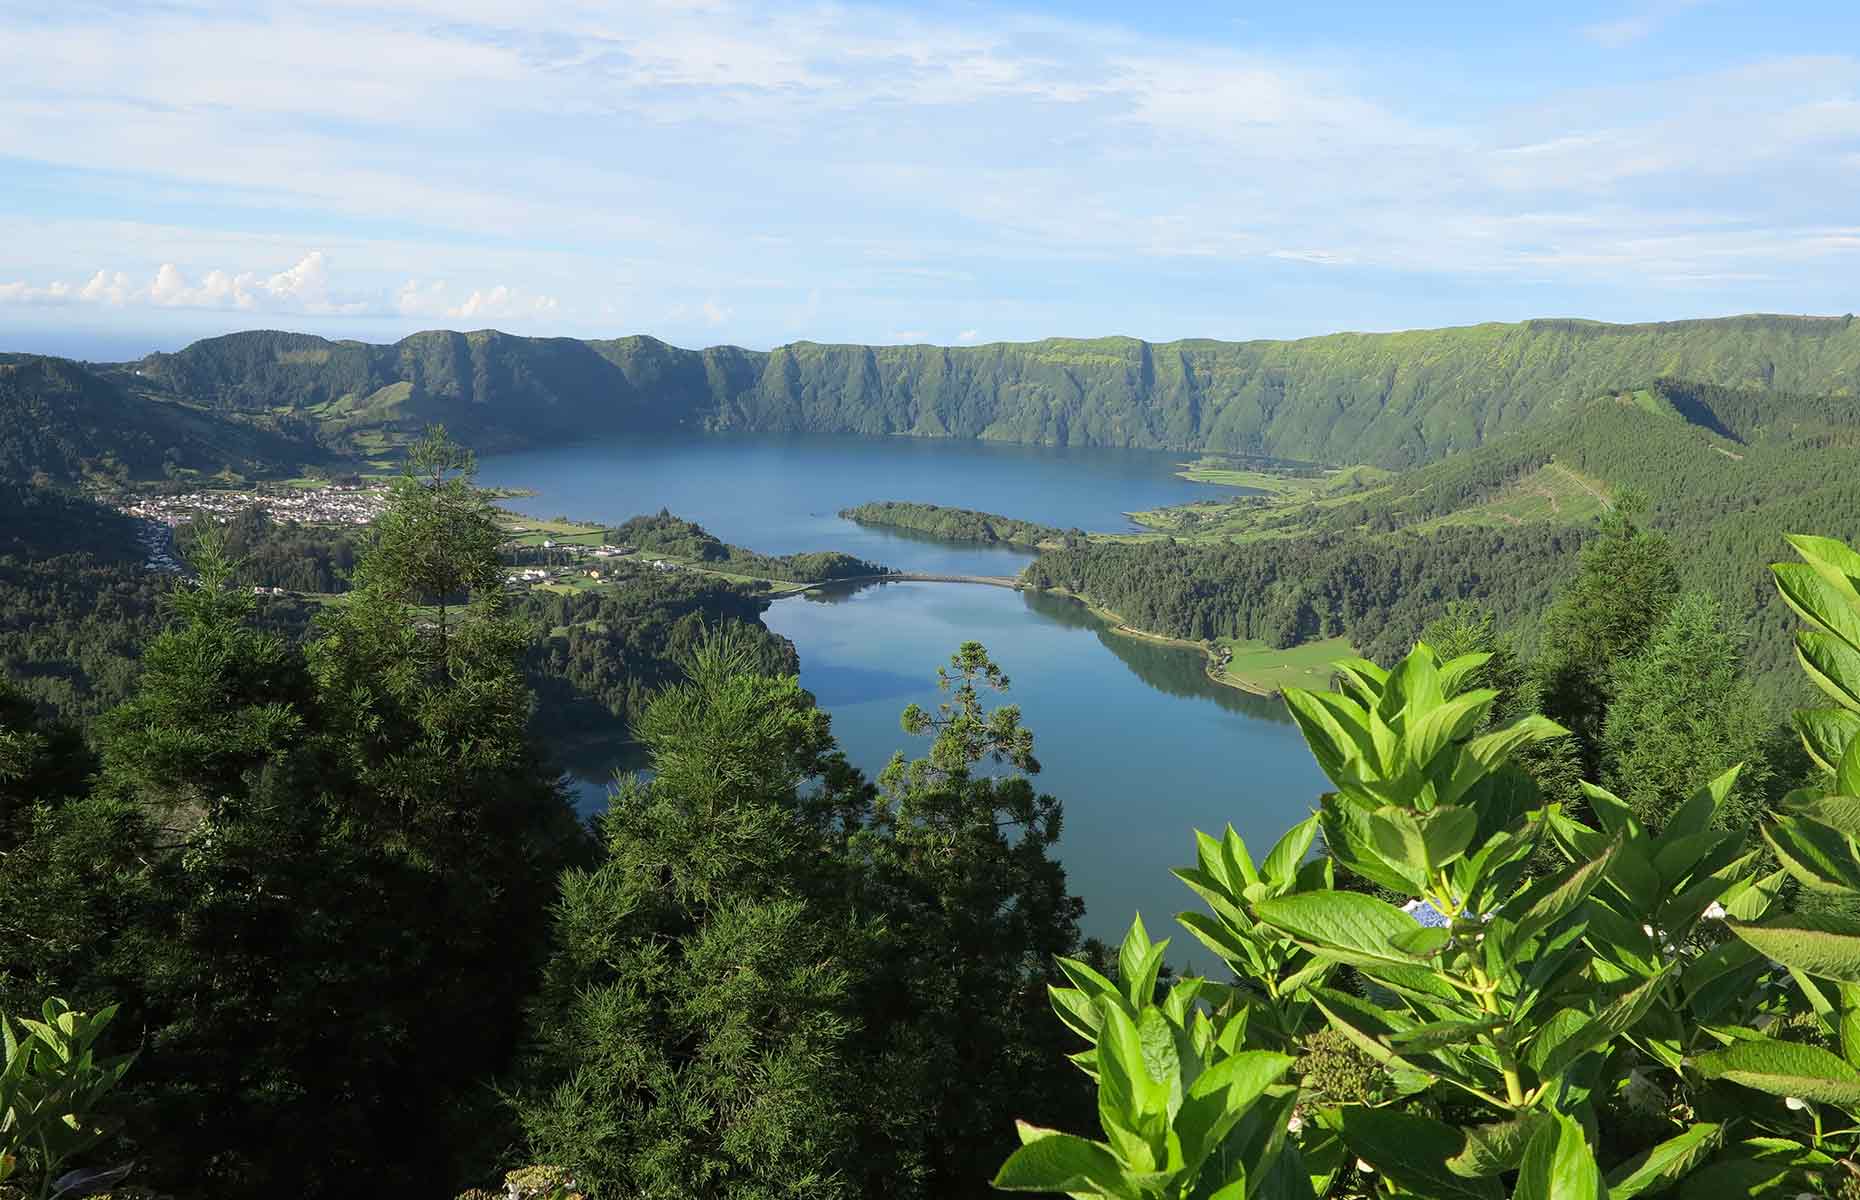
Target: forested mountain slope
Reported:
[(60, 421), (1390, 399), (1725, 473)]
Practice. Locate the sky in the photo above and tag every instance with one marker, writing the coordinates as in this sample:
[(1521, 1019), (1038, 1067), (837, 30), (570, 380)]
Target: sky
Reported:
[(749, 172)]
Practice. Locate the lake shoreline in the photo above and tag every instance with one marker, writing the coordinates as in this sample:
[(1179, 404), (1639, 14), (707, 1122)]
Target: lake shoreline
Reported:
[(1212, 661), (1214, 753)]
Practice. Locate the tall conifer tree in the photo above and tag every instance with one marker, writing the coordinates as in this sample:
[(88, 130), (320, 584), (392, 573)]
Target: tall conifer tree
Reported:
[(1627, 582), (691, 1035), (1683, 712)]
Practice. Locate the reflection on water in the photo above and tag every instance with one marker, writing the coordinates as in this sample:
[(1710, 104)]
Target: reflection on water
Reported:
[(840, 683), (590, 763), (839, 593), (781, 493), (1138, 743), (1179, 671), (1175, 670)]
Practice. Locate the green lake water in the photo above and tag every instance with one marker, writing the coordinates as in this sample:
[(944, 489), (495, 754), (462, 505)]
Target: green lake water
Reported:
[(1137, 742)]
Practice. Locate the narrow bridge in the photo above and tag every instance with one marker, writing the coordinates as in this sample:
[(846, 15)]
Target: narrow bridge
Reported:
[(1006, 581)]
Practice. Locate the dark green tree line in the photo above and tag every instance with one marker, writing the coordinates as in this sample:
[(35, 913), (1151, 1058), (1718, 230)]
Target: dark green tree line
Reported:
[(311, 874)]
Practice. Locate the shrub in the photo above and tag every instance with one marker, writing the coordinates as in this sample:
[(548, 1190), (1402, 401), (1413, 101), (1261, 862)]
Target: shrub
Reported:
[(1650, 1005), (52, 1090)]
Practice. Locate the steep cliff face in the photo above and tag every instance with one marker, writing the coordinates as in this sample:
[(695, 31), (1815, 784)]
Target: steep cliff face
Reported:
[(1392, 399)]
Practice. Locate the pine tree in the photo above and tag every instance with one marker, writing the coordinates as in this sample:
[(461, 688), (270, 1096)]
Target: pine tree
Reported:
[(691, 1034), (1627, 582), (41, 761), (217, 701), (199, 884), (425, 711), (312, 881), (958, 862), (420, 667), (1683, 712)]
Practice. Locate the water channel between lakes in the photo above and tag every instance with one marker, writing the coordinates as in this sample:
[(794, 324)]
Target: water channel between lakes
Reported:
[(1137, 742)]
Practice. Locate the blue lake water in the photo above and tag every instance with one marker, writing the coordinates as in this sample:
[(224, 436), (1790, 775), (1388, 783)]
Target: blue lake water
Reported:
[(1137, 742), (781, 494)]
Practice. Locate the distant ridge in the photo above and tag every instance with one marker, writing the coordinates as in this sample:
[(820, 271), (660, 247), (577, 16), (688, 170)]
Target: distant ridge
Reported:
[(61, 422), (1393, 399)]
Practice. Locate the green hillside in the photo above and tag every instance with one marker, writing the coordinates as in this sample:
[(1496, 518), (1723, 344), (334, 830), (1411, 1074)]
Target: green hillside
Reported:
[(494, 388), (1393, 400), (955, 524), (61, 422), (1724, 472)]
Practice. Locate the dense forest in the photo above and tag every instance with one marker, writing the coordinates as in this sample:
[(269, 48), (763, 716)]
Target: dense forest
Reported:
[(61, 422), (75, 600), (957, 524), (1723, 472), (273, 554), (1624, 962), (667, 534), (292, 890), (591, 656), (1389, 399), (77, 605), (1378, 592), (597, 655), (355, 839)]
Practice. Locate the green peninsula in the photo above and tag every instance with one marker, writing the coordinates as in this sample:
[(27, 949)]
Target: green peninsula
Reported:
[(958, 524)]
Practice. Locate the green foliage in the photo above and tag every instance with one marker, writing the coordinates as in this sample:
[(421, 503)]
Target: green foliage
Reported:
[(902, 939), (955, 524), (38, 759), (75, 604), (1626, 583), (1185, 1114), (1538, 1008), (1683, 712), (691, 1035), (217, 698), (62, 423), (1722, 490), (603, 653), (310, 888), (1378, 592), (667, 534), (955, 859), (421, 665), (1390, 399), (290, 555), (1813, 835), (53, 1087), (1822, 591), (1271, 962)]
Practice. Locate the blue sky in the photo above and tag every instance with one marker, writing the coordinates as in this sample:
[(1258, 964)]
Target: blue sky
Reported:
[(955, 172)]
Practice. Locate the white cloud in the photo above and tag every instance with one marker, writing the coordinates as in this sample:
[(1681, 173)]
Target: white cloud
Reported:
[(302, 288), (503, 301), (1643, 22), (1322, 258), (305, 288), (500, 301), (307, 282), (910, 335), (20, 292), (903, 167), (968, 335)]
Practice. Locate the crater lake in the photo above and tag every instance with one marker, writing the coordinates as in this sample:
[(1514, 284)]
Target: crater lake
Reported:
[(1134, 738)]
